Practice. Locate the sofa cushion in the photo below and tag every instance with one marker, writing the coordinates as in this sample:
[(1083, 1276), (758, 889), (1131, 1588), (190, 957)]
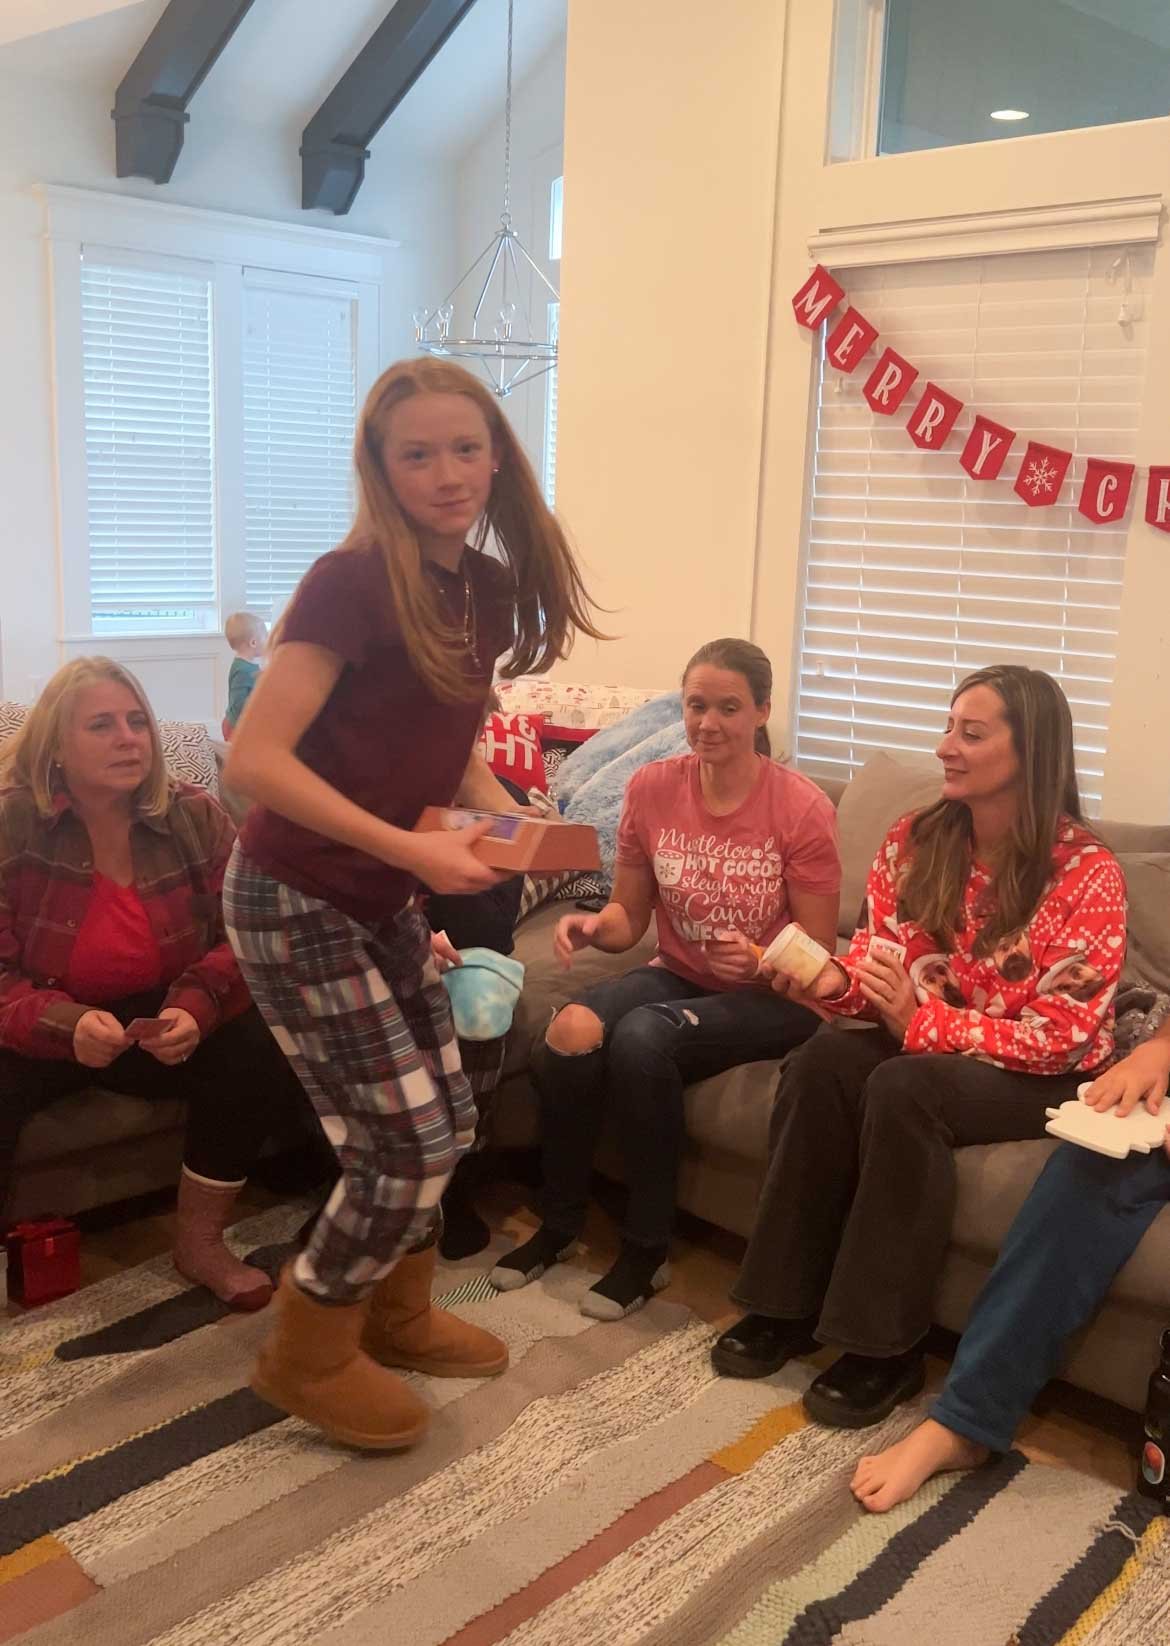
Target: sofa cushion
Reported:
[(1133, 837), (730, 1113), (993, 1183), (885, 789), (80, 1124), (1147, 884)]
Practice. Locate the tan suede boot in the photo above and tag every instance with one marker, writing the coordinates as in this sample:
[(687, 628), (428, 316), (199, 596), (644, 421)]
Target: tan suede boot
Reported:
[(313, 1367), (404, 1329)]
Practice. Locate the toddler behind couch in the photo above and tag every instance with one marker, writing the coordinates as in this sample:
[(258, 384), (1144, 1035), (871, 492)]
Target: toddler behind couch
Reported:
[(247, 635)]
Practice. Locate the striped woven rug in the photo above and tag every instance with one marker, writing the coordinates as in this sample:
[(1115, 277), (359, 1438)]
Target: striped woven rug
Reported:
[(609, 1489)]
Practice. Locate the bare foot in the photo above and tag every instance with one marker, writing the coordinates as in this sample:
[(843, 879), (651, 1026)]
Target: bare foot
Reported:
[(896, 1474)]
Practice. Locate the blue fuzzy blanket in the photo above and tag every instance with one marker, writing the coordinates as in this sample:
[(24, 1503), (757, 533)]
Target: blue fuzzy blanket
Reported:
[(592, 790)]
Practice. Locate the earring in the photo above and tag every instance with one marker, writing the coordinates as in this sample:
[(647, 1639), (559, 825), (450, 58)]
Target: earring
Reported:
[(496, 469)]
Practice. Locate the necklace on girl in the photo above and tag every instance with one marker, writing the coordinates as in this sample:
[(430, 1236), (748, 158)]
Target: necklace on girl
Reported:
[(469, 626)]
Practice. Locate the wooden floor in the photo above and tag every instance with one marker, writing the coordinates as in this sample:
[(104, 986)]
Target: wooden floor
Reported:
[(1070, 1429)]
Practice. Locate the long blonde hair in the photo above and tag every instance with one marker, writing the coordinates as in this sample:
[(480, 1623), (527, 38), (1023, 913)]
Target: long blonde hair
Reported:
[(550, 597), (941, 837), (30, 759)]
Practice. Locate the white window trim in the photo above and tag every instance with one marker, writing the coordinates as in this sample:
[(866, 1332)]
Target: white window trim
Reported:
[(549, 166), (226, 246), (1124, 220), (851, 132)]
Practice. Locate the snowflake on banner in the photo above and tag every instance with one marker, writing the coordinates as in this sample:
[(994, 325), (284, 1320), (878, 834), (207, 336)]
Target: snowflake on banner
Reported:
[(1041, 477)]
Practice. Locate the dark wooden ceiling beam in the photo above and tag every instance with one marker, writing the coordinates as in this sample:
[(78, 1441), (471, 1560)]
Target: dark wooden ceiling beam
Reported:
[(335, 143), (150, 109)]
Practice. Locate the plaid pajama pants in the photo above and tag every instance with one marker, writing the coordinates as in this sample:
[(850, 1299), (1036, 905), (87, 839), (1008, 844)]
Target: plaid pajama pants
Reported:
[(365, 1022)]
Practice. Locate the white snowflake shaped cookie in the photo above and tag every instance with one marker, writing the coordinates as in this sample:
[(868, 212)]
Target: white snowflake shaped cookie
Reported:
[(1106, 1133)]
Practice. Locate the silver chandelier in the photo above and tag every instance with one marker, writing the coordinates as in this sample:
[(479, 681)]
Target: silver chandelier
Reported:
[(510, 355)]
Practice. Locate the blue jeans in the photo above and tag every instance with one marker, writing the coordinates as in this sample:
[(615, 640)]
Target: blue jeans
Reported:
[(1085, 1216), (660, 1034)]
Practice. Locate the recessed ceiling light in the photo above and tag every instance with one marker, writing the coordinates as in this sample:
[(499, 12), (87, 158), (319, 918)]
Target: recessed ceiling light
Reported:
[(1010, 114)]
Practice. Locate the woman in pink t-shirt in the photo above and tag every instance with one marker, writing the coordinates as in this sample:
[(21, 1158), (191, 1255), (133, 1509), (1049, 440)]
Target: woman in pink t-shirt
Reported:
[(723, 847)]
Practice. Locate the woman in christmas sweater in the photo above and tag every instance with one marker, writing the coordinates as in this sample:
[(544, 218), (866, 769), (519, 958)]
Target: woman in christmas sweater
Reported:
[(1011, 915)]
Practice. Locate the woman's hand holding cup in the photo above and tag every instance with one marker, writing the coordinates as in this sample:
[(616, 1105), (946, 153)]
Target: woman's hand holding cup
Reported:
[(799, 968)]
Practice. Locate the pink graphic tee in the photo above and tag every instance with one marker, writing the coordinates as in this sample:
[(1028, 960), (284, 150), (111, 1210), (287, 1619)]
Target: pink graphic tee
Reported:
[(716, 874)]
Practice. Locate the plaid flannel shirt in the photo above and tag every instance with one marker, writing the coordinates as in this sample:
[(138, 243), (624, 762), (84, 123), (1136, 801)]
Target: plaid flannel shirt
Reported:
[(46, 881)]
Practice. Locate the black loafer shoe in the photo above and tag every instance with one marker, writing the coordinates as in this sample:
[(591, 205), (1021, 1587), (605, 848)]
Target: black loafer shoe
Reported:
[(756, 1346), (858, 1390)]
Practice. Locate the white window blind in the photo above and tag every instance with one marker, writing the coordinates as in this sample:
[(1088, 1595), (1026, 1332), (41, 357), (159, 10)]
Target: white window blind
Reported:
[(300, 408), (550, 414), (915, 574), (146, 344)]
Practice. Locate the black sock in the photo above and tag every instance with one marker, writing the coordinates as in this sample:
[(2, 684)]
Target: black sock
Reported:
[(464, 1231)]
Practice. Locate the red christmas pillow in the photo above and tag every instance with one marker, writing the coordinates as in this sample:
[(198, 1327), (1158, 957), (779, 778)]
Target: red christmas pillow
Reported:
[(512, 748)]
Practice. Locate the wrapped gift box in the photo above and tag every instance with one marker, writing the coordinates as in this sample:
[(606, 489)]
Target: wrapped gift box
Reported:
[(525, 845), (44, 1260)]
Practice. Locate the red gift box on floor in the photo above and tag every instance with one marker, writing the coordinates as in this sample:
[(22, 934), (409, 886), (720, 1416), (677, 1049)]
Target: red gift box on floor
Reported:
[(44, 1260)]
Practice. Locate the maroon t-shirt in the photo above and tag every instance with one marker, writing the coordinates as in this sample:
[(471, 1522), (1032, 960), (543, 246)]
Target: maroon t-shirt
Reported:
[(382, 738)]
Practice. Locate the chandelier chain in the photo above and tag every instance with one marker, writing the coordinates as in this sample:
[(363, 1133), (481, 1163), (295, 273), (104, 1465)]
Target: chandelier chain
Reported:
[(507, 215), (512, 354)]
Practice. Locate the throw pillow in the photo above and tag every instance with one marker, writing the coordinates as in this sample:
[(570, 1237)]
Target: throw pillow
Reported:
[(555, 752), (511, 745), (573, 709), (606, 745), (885, 789), (11, 720), (188, 753)]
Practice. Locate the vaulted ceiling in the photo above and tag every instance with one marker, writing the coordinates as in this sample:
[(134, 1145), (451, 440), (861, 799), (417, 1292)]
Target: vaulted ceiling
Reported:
[(285, 58)]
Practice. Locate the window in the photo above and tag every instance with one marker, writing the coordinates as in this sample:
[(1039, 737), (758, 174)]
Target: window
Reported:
[(914, 574), (299, 415), (556, 220), (945, 72), (207, 375), (148, 446)]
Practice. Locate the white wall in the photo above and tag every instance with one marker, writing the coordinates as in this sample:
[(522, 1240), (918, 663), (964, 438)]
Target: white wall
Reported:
[(21, 17), (538, 121), (671, 115), (54, 131)]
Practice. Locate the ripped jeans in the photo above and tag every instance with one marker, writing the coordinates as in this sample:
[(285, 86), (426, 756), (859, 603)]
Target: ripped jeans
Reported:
[(659, 1034)]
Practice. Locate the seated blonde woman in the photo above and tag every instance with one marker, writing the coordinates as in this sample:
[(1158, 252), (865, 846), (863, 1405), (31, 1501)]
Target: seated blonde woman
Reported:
[(110, 877)]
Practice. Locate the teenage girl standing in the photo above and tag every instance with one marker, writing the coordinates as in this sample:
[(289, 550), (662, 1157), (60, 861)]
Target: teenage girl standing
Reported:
[(367, 712)]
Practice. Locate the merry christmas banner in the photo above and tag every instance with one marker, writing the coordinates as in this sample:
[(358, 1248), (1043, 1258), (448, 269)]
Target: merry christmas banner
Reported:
[(1106, 487)]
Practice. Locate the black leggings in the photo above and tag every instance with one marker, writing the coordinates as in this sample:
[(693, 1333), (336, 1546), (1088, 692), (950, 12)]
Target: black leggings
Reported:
[(235, 1083)]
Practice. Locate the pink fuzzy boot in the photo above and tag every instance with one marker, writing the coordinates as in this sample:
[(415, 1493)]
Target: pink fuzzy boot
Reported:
[(200, 1255)]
